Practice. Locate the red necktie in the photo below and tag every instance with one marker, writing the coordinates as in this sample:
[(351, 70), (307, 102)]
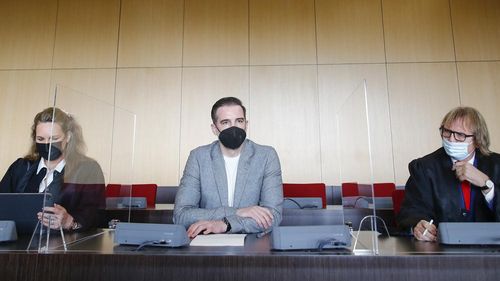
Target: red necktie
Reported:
[(466, 194)]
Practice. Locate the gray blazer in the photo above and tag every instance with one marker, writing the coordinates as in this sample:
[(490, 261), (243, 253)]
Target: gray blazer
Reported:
[(202, 193)]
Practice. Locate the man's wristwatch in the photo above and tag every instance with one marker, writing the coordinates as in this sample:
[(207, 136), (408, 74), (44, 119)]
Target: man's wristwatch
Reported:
[(488, 185), (228, 225)]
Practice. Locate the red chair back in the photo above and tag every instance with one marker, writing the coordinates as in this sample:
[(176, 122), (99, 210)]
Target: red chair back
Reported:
[(397, 199), (305, 190), (350, 189), (383, 189), (138, 190)]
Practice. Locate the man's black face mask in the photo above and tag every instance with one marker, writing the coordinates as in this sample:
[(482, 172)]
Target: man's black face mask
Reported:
[(232, 137)]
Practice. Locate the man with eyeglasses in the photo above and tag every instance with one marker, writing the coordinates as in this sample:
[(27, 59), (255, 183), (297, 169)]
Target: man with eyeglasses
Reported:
[(458, 182)]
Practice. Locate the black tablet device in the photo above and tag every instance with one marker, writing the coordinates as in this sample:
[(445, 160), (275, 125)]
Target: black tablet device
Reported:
[(22, 208)]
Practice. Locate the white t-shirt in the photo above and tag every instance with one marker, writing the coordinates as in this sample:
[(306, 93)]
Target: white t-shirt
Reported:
[(231, 164)]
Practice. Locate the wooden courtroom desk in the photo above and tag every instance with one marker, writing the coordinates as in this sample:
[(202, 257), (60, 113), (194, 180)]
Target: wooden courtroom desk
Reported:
[(98, 258)]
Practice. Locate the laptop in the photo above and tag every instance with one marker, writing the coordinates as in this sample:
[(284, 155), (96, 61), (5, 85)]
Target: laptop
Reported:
[(469, 233), (22, 209)]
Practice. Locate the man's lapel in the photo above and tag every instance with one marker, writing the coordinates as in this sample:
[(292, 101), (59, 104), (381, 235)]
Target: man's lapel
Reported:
[(450, 182), (219, 171), (243, 172)]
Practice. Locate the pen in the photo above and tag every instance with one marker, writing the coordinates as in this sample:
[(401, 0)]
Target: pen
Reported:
[(425, 231)]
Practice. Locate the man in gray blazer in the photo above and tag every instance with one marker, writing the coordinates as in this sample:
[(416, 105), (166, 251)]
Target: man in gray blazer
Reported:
[(232, 185)]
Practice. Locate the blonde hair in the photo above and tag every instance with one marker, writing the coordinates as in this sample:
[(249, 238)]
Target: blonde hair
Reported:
[(75, 148), (472, 119)]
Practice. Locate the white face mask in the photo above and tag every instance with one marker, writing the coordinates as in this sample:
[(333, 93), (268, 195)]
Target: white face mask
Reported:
[(456, 150)]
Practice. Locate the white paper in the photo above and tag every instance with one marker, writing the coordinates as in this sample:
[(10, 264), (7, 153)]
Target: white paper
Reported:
[(219, 240)]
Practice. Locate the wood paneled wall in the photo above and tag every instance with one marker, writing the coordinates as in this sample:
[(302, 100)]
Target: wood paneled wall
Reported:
[(154, 68)]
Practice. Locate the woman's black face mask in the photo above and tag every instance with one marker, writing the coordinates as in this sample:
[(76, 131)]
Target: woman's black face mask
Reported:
[(55, 151)]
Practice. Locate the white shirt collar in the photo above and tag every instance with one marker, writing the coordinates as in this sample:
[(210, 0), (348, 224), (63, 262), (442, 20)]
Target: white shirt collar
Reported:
[(59, 167)]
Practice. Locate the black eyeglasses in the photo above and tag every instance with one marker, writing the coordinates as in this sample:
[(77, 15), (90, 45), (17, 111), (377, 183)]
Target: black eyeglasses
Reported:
[(461, 137)]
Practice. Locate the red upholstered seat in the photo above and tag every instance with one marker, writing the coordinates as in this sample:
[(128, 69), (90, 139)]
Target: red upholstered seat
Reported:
[(397, 199), (305, 190), (138, 190), (350, 189), (383, 189)]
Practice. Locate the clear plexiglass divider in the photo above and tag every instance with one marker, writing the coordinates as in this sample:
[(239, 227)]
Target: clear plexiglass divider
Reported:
[(89, 144), (354, 149)]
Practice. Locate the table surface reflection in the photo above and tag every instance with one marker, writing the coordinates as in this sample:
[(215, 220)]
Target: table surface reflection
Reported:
[(101, 241), (94, 256)]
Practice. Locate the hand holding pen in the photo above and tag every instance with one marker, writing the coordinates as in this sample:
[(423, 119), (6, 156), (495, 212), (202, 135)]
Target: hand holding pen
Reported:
[(425, 231)]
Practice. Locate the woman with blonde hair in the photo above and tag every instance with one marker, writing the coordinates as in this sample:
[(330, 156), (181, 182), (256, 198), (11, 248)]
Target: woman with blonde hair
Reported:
[(56, 163)]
